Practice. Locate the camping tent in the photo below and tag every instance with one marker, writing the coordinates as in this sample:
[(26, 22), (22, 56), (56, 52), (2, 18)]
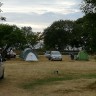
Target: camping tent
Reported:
[(29, 55), (82, 55)]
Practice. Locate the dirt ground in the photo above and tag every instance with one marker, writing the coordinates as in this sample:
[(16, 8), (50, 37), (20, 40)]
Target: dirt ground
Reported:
[(49, 78)]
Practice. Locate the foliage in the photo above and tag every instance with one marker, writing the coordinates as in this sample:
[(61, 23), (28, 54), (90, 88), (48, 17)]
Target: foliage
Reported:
[(11, 36), (75, 36), (88, 6), (79, 33), (31, 38), (89, 23), (2, 18), (62, 33), (57, 35)]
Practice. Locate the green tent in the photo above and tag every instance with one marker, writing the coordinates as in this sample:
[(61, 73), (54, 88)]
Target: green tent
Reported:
[(82, 55)]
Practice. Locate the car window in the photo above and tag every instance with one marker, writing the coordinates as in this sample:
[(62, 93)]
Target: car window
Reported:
[(55, 52), (47, 52)]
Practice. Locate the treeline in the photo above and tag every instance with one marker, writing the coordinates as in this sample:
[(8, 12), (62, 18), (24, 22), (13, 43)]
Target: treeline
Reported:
[(13, 36), (79, 33), (62, 33)]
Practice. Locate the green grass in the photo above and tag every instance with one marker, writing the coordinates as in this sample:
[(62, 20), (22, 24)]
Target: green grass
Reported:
[(53, 80), (88, 76), (44, 81)]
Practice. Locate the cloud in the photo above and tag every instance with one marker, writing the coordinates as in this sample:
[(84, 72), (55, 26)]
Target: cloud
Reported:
[(40, 13), (39, 21), (40, 6)]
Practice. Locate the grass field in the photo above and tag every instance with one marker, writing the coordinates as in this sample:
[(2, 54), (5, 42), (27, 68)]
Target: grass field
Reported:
[(74, 78)]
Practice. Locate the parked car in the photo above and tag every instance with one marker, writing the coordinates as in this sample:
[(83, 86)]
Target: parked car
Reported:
[(55, 55), (1, 68), (47, 54)]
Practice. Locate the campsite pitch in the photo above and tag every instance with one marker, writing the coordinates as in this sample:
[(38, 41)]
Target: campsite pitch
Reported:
[(49, 78)]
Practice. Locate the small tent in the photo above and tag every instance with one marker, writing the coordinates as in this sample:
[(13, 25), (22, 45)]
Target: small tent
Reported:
[(29, 55), (82, 55)]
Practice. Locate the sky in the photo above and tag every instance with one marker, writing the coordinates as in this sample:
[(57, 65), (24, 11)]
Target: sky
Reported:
[(39, 14)]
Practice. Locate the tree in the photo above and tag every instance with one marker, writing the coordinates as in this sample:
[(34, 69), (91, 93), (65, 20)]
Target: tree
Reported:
[(11, 36), (2, 18), (89, 25), (26, 30), (57, 35), (16, 38), (32, 38), (88, 6), (75, 39)]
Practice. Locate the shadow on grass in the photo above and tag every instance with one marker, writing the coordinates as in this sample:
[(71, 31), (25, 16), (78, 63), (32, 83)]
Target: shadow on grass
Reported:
[(92, 86), (54, 80)]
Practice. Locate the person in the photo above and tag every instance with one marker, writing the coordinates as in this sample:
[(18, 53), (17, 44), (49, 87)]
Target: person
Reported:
[(8, 55), (72, 56), (0, 58), (0, 55)]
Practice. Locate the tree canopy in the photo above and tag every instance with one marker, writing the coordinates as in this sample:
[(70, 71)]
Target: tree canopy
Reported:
[(89, 23), (11, 35), (57, 35), (1, 18), (79, 33), (88, 6)]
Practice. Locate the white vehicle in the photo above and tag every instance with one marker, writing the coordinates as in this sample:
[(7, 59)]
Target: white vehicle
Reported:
[(47, 54), (55, 55), (1, 69)]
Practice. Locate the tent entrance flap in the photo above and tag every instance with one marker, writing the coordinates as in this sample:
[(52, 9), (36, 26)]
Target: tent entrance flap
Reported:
[(31, 57)]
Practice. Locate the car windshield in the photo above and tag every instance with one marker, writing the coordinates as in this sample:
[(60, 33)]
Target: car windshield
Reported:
[(55, 52)]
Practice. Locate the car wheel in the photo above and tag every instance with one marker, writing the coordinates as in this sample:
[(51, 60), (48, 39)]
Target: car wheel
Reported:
[(51, 59)]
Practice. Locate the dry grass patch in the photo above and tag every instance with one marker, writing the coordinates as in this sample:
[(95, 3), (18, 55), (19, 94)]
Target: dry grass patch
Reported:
[(39, 78), (92, 86), (53, 80)]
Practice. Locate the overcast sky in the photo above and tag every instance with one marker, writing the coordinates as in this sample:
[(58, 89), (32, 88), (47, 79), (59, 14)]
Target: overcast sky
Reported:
[(39, 14)]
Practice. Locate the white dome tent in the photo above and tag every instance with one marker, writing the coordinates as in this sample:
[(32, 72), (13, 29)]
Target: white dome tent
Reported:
[(29, 55)]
